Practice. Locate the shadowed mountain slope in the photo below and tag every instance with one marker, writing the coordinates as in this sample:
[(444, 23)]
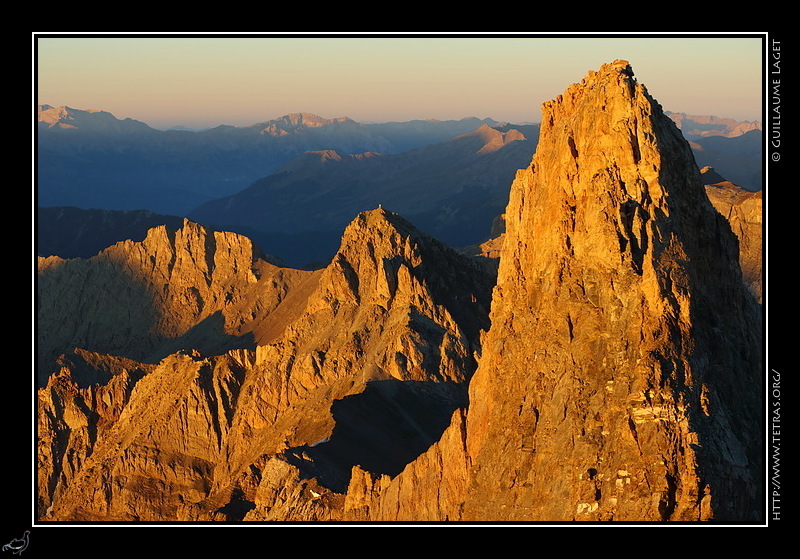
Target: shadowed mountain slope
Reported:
[(744, 210)]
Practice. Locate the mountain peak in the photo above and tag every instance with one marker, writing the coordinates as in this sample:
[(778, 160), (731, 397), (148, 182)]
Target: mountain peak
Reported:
[(295, 122), (378, 234), (91, 120), (616, 278), (380, 217), (492, 138), (384, 258), (310, 119), (378, 226)]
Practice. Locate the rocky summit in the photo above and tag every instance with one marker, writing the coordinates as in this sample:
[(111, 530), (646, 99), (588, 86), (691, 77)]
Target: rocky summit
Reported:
[(608, 370), (620, 377)]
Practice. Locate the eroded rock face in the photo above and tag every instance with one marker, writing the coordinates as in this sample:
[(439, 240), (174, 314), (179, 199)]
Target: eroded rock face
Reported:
[(620, 378), (141, 447), (187, 289)]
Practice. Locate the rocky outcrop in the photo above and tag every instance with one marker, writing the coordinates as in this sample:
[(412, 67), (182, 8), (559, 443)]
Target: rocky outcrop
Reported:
[(185, 289), (645, 343), (141, 446), (617, 407), (433, 487)]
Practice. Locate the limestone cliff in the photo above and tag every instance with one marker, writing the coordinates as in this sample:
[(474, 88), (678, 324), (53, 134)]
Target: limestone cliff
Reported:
[(620, 379)]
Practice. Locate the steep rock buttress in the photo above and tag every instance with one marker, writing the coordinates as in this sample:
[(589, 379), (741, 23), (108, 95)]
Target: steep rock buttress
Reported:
[(620, 378)]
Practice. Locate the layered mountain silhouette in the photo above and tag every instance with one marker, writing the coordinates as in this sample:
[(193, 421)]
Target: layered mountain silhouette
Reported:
[(703, 126), (609, 368), (89, 159), (293, 183), (740, 157), (726, 144), (452, 190)]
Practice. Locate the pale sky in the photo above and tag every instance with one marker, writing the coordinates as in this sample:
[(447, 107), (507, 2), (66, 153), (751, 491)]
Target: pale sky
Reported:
[(212, 80)]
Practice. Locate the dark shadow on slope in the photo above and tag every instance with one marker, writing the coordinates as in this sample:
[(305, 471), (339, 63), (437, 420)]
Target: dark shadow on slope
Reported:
[(97, 305), (381, 429), (208, 337), (725, 390), (237, 508)]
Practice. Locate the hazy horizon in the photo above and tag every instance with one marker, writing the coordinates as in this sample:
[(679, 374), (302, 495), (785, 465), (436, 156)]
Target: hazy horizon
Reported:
[(240, 81)]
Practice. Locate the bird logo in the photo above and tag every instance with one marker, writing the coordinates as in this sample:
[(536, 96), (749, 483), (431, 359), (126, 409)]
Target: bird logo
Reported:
[(18, 545)]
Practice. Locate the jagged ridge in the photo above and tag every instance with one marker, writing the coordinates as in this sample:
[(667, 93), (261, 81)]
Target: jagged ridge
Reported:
[(391, 324)]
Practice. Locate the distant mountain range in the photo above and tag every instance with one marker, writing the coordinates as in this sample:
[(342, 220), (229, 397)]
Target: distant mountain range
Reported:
[(294, 182), (703, 126), (734, 147), (452, 190), (89, 159)]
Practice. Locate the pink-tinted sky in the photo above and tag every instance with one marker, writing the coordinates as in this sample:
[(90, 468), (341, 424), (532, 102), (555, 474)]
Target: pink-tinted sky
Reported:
[(200, 82)]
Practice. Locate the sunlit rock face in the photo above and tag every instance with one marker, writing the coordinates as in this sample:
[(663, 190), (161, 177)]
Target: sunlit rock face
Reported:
[(620, 378), (184, 288), (188, 379)]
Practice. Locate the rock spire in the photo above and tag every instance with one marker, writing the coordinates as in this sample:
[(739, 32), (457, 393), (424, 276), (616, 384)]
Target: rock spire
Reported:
[(620, 377)]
